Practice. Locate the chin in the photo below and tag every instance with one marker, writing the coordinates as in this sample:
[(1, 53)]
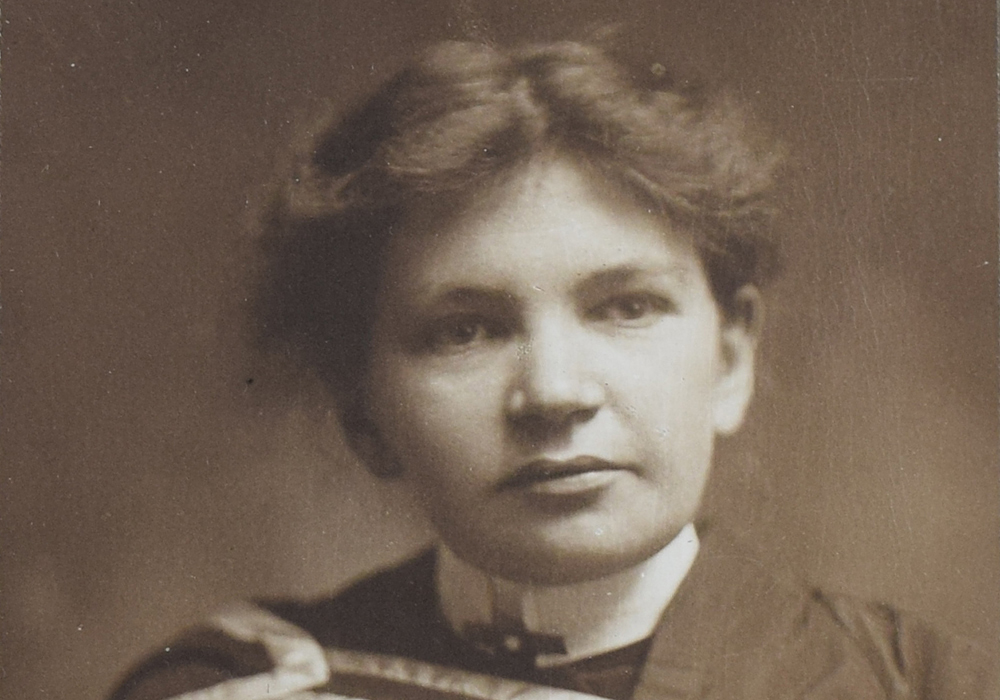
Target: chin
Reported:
[(561, 563)]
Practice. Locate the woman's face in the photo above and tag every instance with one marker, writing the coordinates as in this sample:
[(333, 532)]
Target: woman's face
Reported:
[(549, 371)]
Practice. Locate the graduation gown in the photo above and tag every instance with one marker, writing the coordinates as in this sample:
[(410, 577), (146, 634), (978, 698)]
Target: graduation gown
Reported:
[(733, 631)]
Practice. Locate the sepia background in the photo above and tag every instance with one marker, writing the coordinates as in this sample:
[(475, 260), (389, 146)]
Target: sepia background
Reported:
[(145, 479)]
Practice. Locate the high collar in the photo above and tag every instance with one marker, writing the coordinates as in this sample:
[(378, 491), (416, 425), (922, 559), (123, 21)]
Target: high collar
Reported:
[(592, 617)]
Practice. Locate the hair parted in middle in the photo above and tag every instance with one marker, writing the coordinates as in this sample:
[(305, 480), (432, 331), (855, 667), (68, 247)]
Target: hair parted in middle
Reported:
[(454, 123)]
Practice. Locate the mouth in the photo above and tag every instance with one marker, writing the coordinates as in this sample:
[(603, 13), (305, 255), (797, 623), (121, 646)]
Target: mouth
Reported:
[(564, 477)]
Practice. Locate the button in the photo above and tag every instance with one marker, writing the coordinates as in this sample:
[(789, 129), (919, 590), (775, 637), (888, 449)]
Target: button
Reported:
[(512, 643)]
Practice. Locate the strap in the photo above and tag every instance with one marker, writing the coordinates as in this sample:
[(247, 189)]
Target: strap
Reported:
[(398, 678), (298, 660), (303, 670)]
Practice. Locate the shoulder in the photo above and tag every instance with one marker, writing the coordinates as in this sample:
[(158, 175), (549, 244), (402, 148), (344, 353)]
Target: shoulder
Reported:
[(748, 629), (910, 658), (244, 649), (263, 649), (384, 604)]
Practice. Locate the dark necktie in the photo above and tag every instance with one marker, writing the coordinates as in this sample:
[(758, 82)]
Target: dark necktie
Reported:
[(512, 644)]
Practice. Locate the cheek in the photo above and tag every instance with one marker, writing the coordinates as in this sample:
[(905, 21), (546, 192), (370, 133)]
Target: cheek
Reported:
[(436, 428), (668, 399), (673, 377)]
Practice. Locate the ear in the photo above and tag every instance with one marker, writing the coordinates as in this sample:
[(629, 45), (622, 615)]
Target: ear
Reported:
[(740, 334), (364, 440)]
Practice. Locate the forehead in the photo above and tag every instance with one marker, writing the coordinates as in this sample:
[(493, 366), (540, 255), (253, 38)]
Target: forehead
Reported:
[(549, 220)]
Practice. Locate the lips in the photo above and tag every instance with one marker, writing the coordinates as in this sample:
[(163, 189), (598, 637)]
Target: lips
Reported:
[(552, 475)]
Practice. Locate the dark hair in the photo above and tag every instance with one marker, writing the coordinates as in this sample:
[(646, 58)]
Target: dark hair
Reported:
[(459, 117)]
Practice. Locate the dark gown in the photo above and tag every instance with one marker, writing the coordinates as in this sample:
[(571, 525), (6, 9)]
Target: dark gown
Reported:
[(734, 630)]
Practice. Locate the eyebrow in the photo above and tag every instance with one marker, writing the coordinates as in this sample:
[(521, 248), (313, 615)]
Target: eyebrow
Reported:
[(615, 277), (596, 282), (470, 296)]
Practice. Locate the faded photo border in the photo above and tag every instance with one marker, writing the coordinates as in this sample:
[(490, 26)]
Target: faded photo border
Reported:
[(152, 467)]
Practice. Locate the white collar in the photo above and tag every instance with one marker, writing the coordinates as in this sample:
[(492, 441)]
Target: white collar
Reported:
[(592, 617)]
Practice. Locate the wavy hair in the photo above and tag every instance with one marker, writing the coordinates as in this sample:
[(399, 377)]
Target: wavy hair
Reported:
[(456, 120)]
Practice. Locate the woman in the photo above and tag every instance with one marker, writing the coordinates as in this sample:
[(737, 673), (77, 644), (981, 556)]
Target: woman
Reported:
[(531, 280)]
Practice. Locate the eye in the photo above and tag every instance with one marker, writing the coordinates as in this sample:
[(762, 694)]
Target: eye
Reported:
[(633, 309), (457, 333)]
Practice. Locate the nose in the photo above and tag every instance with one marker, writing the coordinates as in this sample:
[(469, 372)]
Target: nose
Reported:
[(556, 382)]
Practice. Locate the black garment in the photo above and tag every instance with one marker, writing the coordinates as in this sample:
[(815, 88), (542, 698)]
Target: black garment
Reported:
[(732, 631), (396, 612)]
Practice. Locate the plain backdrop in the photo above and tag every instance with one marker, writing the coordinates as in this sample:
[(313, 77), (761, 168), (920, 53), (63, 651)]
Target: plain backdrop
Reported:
[(145, 479)]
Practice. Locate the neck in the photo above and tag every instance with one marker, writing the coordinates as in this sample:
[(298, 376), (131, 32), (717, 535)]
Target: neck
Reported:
[(591, 617)]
